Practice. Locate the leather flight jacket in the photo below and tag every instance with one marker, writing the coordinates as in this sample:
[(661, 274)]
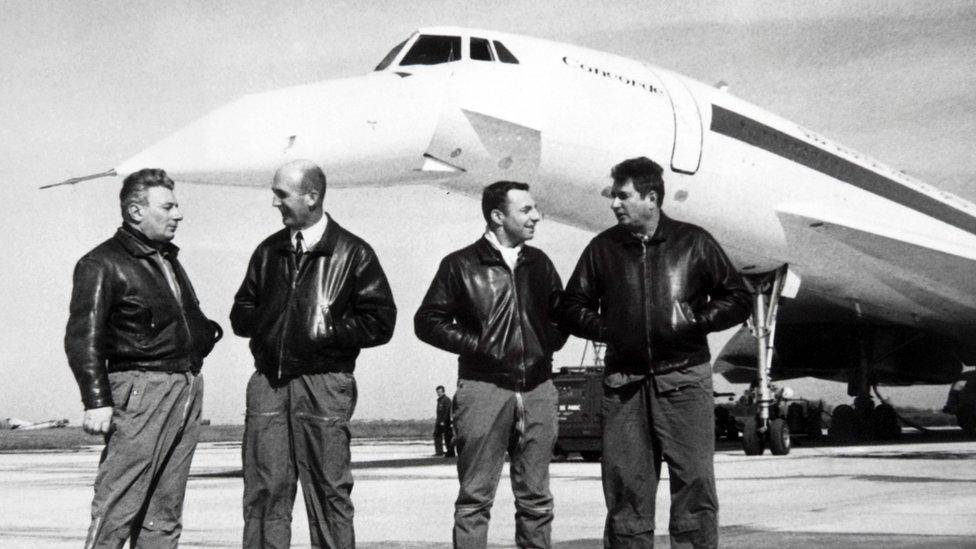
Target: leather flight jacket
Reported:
[(652, 301), (125, 316), (313, 316), (444, 410), (500, 322)]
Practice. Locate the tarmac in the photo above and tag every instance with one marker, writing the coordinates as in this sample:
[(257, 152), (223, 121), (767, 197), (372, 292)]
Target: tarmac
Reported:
[(916, 493)]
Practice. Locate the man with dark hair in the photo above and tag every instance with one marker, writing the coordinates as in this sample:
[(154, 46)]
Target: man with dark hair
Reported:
[(491, 303), (651, 288), (136, 339), (314, 294), (443, 430)]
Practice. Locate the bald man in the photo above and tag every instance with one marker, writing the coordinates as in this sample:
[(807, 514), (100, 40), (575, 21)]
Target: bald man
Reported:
[(313, 296)]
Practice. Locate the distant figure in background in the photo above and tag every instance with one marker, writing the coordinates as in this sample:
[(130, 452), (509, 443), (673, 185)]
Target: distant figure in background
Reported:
[(136, 339), (492, 304), (443, 430), (314, 294)]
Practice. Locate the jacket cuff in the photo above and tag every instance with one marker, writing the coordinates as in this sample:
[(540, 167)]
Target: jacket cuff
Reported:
[(97, 400)]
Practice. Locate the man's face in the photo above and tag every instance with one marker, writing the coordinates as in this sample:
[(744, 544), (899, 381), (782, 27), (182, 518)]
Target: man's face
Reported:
[(520, 217), (440, 393), (295, 206), (159, 217), (631, 210)]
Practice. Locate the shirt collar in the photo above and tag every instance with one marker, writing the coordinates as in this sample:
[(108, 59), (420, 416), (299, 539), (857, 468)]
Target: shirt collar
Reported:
[(490, 236), (509, 255), (311, 235)]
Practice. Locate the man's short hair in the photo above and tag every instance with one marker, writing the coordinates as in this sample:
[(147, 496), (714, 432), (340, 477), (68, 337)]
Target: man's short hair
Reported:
[(135, 185), (439, 388), (495, 196), (313, 180), (644, 172)]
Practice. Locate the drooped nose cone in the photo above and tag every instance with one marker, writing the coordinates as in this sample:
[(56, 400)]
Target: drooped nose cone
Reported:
[(359, 130)]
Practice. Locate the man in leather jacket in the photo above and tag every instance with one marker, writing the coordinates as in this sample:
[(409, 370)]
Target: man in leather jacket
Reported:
[(443, 428), (491, 303), (651, 288), (314, 294), (136, 339)]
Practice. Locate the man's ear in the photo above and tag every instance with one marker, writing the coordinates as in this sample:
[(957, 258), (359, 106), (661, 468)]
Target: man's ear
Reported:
[(311, 199), (135, 212), (497, 216), (652, 195)]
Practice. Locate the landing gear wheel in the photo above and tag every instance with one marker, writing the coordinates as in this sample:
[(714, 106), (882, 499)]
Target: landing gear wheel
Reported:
[(966, 418), (752, 440), (884, 423), (590, 455), (843, 423), (779, 437)]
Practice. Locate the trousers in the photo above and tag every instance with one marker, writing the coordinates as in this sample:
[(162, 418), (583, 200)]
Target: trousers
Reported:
[(444, 438), (297, 430), (144, 467), (490, 421), (643, 425)]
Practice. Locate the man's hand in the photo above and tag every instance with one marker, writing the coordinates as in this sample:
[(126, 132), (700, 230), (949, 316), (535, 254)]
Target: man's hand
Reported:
[(98, 420)]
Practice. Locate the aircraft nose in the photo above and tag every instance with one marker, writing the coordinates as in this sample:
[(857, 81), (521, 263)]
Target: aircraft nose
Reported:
[(360, 130)]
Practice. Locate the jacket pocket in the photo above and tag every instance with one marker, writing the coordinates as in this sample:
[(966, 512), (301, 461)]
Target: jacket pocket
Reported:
[(321, 327), (128, 389), (684, 322)]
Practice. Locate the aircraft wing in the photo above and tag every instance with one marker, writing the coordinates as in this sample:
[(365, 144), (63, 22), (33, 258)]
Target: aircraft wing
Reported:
[(934, 276), (818, 334)]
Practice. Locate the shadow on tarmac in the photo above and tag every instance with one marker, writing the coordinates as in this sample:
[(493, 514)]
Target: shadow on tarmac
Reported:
[(908, 437), (743, 537)]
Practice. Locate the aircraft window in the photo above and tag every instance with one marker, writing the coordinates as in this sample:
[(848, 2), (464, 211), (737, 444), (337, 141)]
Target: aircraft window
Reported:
[(504, 55), (390, 56), (432, 50), (481, 50)]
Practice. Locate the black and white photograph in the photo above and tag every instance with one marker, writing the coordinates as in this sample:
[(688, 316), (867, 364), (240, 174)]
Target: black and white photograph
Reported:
[(505, 274)]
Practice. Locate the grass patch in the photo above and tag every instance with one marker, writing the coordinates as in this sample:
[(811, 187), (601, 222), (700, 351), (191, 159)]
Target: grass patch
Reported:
[(69, 438)]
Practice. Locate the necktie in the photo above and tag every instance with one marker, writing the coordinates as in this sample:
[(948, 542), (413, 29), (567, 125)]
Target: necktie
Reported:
[(299, 247)]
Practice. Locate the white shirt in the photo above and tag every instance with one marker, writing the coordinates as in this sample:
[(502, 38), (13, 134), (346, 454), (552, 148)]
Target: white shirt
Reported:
[(510, 255), (311, 235)]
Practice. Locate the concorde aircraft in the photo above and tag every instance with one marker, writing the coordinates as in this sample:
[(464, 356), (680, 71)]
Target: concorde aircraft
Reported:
[(876, 266)]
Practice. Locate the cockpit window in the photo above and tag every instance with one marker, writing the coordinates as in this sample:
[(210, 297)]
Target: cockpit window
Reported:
[(504, 55), (481, 50), (432, 50), (390, 56)]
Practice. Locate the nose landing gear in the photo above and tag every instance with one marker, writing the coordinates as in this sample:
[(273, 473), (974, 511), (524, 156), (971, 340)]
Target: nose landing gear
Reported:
[(766, 428)]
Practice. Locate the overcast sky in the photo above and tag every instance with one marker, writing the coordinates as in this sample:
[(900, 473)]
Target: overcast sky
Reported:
[(84, 85)]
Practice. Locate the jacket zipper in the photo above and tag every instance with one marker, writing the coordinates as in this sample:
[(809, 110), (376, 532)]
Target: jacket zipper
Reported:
[(177, 300), (284, 326), (646, 303), (518, 312)]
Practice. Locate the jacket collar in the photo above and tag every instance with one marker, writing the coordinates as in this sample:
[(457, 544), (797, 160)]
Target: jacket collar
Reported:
[(489, 255), (664, 231), (325, 246), (139, 244)]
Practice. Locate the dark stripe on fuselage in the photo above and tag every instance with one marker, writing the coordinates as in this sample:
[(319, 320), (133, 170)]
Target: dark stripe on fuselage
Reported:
[(749, 131)]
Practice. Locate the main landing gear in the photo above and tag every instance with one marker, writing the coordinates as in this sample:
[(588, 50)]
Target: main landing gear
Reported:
[(863, 420), (766, 427)]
